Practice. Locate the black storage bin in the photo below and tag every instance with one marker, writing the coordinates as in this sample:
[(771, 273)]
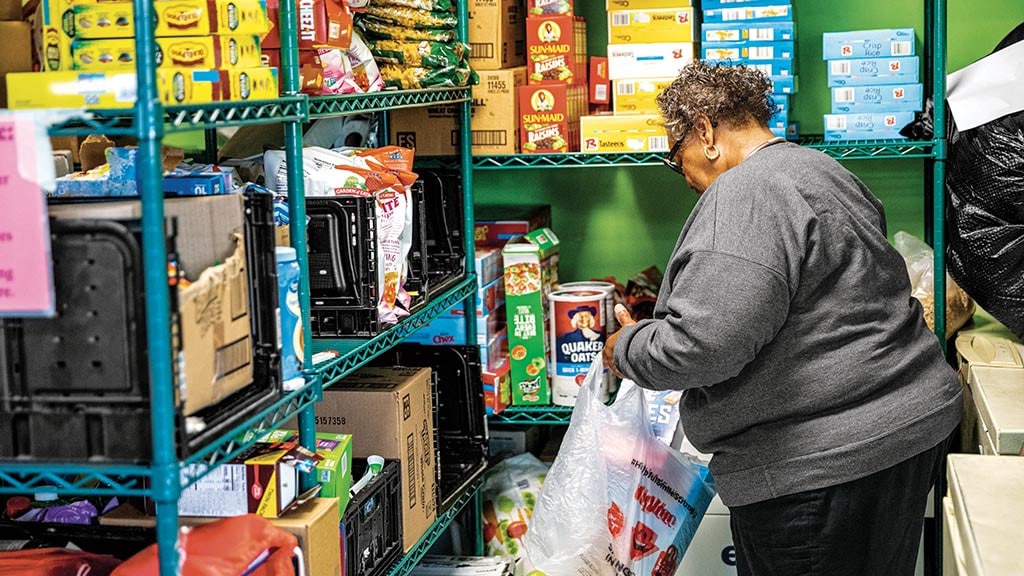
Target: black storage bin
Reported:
[(460, 425), (416, 281), (371, 528), (445, 237)]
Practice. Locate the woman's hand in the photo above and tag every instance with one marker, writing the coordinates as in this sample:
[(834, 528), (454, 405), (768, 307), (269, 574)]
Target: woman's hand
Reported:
[(622, 315)]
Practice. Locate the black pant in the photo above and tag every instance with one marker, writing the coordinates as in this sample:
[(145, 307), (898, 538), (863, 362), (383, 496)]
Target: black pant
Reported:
[(867, 527)]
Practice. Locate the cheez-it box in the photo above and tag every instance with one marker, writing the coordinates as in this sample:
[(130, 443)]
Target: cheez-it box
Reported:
[(543, 119), (321, 24), (551, 49)]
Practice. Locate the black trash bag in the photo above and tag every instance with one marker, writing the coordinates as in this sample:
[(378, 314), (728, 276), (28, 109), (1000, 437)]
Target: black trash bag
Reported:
[(985, 213)]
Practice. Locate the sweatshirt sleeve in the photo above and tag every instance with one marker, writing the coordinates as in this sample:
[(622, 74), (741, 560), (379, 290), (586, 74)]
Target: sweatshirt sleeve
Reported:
[(721, 311)]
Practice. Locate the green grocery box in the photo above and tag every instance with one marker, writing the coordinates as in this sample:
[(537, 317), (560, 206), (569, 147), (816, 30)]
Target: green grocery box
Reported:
[(334, 472)]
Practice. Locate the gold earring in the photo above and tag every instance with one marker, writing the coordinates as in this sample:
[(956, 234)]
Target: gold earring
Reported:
[(711, 152)]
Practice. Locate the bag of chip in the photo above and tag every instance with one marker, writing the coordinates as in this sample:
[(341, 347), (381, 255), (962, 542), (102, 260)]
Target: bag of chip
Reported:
[(416, 77), (411, 17), (433, 5), (423, 53), (377, 29)]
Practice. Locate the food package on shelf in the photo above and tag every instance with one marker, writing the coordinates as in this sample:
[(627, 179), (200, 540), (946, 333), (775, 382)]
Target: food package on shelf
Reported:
[(411, 17), (510, 492), (430, 5), (378, 29), (425, 54), (416, 77), (352, 71)]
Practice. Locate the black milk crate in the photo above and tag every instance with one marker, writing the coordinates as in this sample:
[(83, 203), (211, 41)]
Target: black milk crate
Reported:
[(263, 290), (416, 281), (445, 237), (371, 527), (460, 425)]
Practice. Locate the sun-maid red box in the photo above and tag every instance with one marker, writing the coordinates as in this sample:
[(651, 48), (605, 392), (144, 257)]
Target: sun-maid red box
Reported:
[(551, 50), (600, 85), (544, 119), (321, 24)]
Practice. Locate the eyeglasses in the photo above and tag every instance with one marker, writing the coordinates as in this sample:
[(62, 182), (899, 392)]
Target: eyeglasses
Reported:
[(670, 160)]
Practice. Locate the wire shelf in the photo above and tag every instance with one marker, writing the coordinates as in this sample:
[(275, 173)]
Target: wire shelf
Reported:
[(75, 479), (871, 149), (569, 160), (444, 520), (356, 353), (550, 415), (322, 106)]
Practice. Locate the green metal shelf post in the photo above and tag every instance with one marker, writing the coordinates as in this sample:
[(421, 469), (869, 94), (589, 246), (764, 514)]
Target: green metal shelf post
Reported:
[(149, 126), (466, 166), (938, 61)]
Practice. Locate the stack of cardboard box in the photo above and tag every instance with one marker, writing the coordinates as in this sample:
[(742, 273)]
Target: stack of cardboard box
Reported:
[(873, 77), (17, 53), (759, 34)]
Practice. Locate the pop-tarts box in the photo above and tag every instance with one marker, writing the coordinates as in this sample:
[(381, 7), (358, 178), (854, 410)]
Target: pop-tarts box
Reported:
[(750, 50), (706, 4), (868, 43), (744, 31), (847, 136), (868, 122), (776, 12), (888, 98), (783, 84), (873, 71)]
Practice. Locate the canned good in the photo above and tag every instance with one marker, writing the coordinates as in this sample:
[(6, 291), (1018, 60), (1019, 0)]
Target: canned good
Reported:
[(577, 336)]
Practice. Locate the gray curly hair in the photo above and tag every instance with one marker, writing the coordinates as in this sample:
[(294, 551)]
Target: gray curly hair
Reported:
[(736, 95)]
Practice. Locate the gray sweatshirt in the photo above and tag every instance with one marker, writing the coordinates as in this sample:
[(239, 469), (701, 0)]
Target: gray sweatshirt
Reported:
[(786, 317)]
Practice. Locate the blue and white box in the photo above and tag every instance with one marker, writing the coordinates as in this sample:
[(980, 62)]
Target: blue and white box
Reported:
[(873, 71), (781, 102), (867, 122), (783, 84), (775, 12), (868, 43), (840, 136), (779, 121), (744, 31), (769, 67), (708, 4), (889, 98), (753, 51)]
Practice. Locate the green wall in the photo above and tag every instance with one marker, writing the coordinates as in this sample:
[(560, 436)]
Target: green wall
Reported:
[(617, 221)]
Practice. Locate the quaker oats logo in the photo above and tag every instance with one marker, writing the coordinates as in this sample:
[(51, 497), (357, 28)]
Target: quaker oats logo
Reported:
[(549, 31), (542, 101)]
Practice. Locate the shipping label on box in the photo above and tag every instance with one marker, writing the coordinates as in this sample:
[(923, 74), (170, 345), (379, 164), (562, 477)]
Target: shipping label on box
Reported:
[(631, 61), (873, 71), (54, 24), (745, 31), (525, 306), (497, 391), (173, 18), (548, 7), (599, 82), (750, 50), (388, 412), (543, 119), (633, 133), (889, 98), (497, 35), (551, 47), (881, 121), (638, 96), (773, 13), (320, 24), (651, 25), (868, 43), (241, 51)]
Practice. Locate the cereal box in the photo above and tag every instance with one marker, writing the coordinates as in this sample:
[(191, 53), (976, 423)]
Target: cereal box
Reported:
[(551, 45), (635, 133), (321, 24), (743, 31), (664, 60), (868, 43), (872, 71), (775, 13), (645, 4), (173, 18), (652, 25), (172, 52), (888, 98), (525, 259), (543, 119), (638, 96), (869, 122), (749, 50)]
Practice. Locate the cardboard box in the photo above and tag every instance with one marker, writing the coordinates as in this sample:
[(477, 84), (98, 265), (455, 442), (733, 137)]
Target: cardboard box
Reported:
[(638, 96), (599, 82), (525, 302), (320, 24), (389, 412), (551, 50), (239, 51), (644, 4), (16, 55), (497, 389), (743, 31), (888, 98), (262, 480), (885, 43), (54, 31), (751, 50), (497, 34), (650, 25), (633, 133), (334, 471), (173, 18), (313, 523), (548, 7), (776, 13), (434, 131), (873, 71), (10, 10), (630, 61), (544, 119), (496, 224)]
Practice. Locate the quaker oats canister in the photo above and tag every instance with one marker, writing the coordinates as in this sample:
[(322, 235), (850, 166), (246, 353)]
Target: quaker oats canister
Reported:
[(578, 333)]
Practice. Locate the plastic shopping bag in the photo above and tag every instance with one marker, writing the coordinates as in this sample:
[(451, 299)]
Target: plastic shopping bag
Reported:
[(921, 268), (617, 501)]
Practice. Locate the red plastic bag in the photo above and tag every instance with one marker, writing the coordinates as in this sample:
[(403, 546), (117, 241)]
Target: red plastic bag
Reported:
[(223, 548)]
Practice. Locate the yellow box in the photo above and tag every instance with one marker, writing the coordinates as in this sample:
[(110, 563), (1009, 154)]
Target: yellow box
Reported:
[(650, 25), (610, 5), (638, 96), (635, 133), (54, 31), (102, 90), (173, 18), (222, 52)]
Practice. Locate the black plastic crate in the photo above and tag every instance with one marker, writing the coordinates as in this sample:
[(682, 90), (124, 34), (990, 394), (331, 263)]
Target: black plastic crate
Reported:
[(445, 237), (263, 289), (460, 425), (416, 281), (371, 528)]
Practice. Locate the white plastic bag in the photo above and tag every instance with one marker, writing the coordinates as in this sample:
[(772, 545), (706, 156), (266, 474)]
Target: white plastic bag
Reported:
[(921, 268), (617, 500)]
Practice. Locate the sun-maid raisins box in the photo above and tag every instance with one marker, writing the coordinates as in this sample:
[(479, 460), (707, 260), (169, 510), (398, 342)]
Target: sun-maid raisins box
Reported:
[(551, 45), (543, 119), (526, 258)]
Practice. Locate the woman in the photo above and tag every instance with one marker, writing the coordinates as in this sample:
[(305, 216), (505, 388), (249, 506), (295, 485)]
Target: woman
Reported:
[(786, 317)]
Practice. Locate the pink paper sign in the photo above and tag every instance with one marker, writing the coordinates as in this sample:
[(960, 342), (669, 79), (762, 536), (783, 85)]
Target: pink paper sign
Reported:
[(26, 273)]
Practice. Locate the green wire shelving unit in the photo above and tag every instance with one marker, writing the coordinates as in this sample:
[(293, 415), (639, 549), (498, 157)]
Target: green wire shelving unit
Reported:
[(530, 415)]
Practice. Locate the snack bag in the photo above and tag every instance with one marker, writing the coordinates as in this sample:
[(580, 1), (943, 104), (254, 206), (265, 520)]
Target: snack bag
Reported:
[(378, 29), (617, 500), (433, 5), (412, 17), (509, 495), (424, 53), (413, 78)]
